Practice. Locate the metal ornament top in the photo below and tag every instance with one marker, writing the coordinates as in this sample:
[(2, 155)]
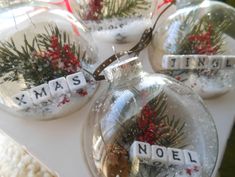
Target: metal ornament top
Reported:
[(141, 45)]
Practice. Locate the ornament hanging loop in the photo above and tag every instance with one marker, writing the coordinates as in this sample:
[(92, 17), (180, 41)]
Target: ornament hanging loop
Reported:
[(143, 43)]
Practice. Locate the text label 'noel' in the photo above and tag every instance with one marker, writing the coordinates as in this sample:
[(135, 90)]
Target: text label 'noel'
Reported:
[(151, 154)]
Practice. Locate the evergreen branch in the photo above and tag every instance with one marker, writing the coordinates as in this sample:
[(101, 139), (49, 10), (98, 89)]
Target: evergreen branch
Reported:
[(34, 60), (207, 25), (170, 131), (204, 24), (123, 8), (176, 137)]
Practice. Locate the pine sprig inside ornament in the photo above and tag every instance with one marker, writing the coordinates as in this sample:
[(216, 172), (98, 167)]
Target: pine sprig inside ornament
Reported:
[(206, 37), (123, 8), (50, 55), (105, 9), (44, 58), (154, 126)]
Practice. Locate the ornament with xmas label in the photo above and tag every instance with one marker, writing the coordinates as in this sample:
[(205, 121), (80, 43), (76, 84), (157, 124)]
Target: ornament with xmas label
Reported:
[(44, 61), (200, 27), (148, 125), (119, 21)]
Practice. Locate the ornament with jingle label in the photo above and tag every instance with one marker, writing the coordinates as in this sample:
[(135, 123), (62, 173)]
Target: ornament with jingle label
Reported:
[(44, 55), (199, 27), (142, 110), (119, 21)]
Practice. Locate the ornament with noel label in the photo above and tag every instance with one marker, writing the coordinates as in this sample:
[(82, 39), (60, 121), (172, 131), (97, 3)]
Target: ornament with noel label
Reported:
[(200, 27), (148, 125), (44, 56), (117, 21)]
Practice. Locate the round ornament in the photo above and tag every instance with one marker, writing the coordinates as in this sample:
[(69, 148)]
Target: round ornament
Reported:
[(148, 125), (44, 59), (201, 30), (119, 21)]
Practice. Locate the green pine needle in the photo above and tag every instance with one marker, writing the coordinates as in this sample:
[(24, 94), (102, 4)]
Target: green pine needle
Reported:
[(172, 133), (123, 8), (26, 61)]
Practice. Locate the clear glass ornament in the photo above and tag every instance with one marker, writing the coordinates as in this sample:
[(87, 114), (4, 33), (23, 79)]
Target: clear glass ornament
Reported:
[(150, 108), (199, 27), (39, 44), (119, 21)]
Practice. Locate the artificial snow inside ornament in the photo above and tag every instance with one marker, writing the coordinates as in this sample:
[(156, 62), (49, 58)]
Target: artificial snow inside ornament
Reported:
[(118, 21), (148, 125), (203, 28), (44, 55)]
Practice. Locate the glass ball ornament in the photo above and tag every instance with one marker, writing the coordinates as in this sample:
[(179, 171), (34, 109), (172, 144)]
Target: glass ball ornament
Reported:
[(44, 55), (199, 27), (151, 109), (118, 21)]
